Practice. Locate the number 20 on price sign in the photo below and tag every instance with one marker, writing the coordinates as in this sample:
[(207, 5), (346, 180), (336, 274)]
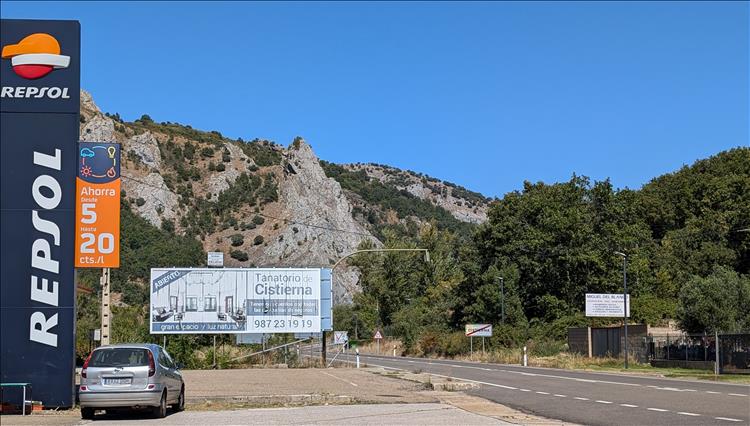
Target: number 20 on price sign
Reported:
[(98, 205)]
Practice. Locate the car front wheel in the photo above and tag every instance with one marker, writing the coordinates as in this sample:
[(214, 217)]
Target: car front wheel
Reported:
[(181, 401)]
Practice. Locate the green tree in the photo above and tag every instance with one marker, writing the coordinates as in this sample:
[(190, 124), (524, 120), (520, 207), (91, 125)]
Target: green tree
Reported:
[(719, 302)]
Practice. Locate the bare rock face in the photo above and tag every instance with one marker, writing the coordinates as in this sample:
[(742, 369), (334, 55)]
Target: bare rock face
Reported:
[(220, 181), (159, 202), (309, 197), (146, 148), (98, 129)]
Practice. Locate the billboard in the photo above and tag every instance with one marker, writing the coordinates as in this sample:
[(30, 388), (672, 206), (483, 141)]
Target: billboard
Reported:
[(39, 119), (605, 305), (478, 330), (98, 205), (237, 300)]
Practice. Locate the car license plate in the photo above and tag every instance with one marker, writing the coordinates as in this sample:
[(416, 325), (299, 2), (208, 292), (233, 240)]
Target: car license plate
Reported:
[(119, 381)]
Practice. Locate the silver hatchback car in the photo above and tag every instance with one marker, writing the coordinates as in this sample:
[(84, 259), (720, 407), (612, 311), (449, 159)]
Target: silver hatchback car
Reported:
[(130, 376)]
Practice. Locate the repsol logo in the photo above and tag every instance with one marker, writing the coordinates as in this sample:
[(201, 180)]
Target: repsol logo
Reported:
[(34, 92), (47, 193)]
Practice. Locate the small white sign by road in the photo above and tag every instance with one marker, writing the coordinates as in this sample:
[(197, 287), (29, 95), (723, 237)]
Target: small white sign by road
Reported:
[(340, 337), (215, 259), (377, 335), (605, 305), (479, 330)]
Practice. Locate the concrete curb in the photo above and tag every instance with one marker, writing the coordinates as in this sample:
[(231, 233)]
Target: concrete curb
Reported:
[(274, 400)]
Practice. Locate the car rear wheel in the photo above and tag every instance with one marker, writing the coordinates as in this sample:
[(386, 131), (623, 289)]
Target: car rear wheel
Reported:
[(87, 413), (160, 411), (180, 401)]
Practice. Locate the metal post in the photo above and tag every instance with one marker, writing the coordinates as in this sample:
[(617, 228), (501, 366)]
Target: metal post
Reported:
[(625, 303), (106, 310), (716, 363), (482, 343), (357, 357), (378, 346), (214, 366), (502, 304), (471, 346), (23, 406), (323, 349), (164, 342)]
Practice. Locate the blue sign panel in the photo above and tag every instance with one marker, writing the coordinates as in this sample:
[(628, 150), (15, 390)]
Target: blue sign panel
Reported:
[(39, 104)]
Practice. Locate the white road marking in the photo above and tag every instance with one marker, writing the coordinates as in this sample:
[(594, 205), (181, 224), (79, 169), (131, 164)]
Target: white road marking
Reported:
[(736, 394), (729, 419), (561, 396), (523, 373), (580, 398), (688, 414), (661, 410), (542, 393), (339, 378), (628, 405), (525, 390), (603, 402), (715, 393)]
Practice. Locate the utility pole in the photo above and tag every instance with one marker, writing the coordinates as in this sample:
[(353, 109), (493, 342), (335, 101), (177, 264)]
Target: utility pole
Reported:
[(502, 295), (106, 309), (625, 300)]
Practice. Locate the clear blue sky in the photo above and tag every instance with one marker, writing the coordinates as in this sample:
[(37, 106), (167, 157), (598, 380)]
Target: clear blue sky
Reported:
[(485, 95)]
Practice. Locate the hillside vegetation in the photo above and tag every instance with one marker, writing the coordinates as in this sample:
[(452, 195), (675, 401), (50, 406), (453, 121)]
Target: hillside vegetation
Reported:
[(552, 243)]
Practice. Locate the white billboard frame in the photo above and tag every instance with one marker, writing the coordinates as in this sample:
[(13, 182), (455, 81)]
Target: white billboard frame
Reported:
[(238, 300), (604, 305)]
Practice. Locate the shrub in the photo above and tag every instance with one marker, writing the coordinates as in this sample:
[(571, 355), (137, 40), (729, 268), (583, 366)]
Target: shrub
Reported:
[(239, 255), (140, 201), (237, 240), (258, 220), (220, 167), (258, 240), (207, 152)]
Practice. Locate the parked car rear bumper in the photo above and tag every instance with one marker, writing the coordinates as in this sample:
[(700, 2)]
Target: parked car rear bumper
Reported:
[(146, 398)]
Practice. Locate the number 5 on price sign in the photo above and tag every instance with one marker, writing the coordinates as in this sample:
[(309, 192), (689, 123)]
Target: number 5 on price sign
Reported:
[(98, 205)]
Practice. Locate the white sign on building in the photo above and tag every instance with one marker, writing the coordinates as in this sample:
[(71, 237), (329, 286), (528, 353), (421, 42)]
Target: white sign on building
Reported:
[(606, 305), (237, 300)]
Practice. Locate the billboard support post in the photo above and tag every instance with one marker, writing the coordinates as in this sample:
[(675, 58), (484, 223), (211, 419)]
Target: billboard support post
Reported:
[(106, 310), (323, 348)]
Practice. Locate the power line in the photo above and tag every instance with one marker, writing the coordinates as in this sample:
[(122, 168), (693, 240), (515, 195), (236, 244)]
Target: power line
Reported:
[(268, 216)]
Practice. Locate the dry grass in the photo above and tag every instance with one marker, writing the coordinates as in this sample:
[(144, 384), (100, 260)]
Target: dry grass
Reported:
[(386, 347)]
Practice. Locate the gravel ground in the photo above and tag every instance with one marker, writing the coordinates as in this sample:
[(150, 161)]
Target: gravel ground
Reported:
[(356, 385)]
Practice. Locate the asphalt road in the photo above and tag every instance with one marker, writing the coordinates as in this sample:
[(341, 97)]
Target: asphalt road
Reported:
[(591, 398)]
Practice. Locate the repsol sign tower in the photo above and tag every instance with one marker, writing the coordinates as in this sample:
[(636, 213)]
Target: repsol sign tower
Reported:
[(39, 119)]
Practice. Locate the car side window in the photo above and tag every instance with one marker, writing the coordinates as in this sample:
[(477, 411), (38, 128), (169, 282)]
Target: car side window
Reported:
[(169, 360), (163, 360)]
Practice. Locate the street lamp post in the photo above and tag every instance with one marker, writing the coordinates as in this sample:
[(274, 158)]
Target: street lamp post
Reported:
[(625, 300)]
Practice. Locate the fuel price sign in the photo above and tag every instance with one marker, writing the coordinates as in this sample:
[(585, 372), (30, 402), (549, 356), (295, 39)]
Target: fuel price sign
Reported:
[(98, 205)]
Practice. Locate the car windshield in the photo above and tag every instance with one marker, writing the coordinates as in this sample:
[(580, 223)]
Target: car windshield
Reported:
[(119, 357)]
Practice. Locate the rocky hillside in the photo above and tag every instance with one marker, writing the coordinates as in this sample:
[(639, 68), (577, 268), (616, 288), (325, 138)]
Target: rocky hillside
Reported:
[(260, 203), (464, 205)]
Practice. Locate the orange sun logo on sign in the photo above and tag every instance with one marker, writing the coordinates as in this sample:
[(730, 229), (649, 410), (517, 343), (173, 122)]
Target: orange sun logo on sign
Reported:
[(35, 56)]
